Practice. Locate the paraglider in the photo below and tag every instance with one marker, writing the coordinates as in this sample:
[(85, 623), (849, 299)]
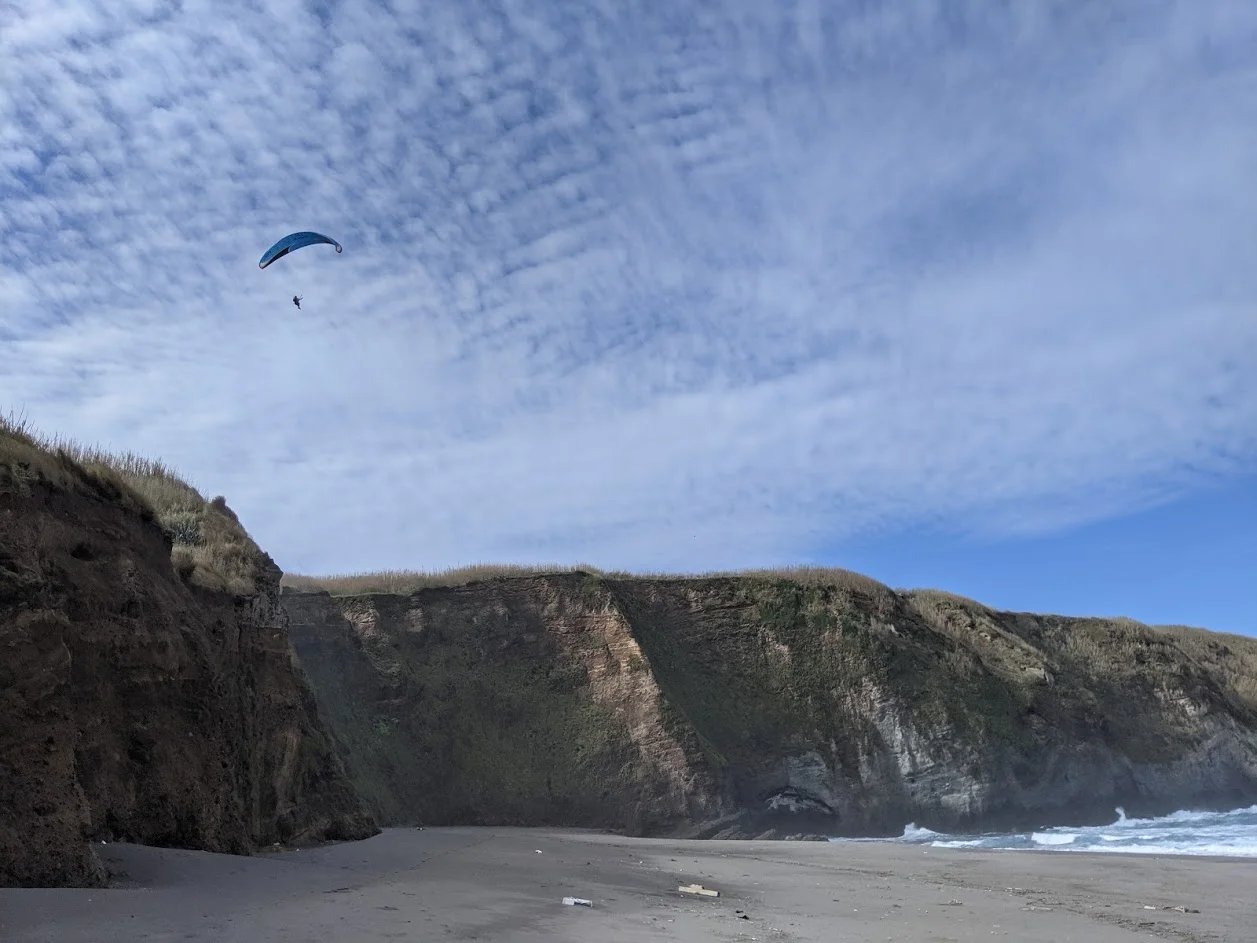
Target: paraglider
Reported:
[(296, 240)]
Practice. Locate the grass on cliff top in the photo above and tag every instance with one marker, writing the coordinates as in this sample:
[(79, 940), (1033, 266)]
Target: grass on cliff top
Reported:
[(1232, 657), (404, 582), (210, 549), (1106, 648)]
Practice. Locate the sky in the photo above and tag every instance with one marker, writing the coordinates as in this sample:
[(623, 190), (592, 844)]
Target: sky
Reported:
[(956, 294)]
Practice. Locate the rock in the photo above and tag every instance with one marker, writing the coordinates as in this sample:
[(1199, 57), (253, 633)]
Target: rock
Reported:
[(745, 707), (137, 707)]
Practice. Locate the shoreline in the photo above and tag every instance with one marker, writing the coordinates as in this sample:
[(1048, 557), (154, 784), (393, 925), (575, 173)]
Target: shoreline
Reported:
[(1062, 852), (507, 884)]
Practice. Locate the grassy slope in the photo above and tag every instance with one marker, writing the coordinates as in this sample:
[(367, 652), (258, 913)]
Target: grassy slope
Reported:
[(1232, 658), (210, 548), (1109, 676)]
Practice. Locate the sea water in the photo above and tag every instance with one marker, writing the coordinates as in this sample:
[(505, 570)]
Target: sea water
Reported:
[(1231, 833)]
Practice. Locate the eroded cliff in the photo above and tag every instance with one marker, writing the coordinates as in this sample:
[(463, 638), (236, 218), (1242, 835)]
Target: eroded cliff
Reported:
[(743, 706), (511, 702), (141, 699)]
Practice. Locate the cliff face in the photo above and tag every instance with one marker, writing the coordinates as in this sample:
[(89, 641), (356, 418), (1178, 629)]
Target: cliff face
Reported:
[(747, 706), (513, 702), (136, 705)]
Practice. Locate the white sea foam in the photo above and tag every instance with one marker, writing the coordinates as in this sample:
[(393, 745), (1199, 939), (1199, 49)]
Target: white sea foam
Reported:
[(912, 833), (1053, 838), (1188, 832)]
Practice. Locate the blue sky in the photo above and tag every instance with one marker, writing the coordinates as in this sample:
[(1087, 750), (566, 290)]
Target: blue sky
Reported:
[(1191, 561), (954, 294)]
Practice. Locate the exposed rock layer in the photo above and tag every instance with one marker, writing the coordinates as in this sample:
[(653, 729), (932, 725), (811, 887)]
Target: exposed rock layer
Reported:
[(746, 706), (134, 706)]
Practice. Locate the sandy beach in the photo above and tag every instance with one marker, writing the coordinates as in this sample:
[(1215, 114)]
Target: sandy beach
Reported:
[(495, 884)]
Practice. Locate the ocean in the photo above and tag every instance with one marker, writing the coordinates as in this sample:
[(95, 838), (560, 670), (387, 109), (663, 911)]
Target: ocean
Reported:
[(1231, 833)]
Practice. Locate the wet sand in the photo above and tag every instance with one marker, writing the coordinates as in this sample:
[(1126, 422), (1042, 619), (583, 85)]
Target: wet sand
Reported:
[(491, 884)]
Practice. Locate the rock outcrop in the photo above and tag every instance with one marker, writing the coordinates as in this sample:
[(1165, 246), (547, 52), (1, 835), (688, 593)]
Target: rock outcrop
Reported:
[(512, 702), (743, 706), (136, 702)]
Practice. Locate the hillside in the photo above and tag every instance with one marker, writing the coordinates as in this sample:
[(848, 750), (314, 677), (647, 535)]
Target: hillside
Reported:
[(147, 688), (794, 703)]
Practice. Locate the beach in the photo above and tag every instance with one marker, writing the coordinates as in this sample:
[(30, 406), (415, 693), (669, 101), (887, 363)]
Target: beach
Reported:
[(502, 884)]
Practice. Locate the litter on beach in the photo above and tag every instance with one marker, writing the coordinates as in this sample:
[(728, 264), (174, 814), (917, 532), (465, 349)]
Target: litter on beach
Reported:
[(577, 902), (698, 889)]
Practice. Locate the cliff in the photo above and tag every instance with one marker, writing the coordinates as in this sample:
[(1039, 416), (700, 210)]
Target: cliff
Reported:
[(741, 706), (147, 688)]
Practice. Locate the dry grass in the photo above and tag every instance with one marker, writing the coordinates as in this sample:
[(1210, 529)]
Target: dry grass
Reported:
[(939, 600), (1231, 657), (211, 549), (404, 582), (1114, 647), (27, 458), (827, 576), (1117, 647)]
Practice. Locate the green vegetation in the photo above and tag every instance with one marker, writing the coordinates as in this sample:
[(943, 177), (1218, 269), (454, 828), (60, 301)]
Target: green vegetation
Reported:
[(210, 548)]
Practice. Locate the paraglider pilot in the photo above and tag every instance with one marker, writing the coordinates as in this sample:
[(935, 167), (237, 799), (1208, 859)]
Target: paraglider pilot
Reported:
[(295, 240)]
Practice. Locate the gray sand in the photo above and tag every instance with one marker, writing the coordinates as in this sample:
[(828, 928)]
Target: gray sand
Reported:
[(491, 884)]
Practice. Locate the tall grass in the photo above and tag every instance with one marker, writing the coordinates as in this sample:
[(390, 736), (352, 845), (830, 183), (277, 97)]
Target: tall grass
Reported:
[(1233, 657), (404, 582), (210, 547)]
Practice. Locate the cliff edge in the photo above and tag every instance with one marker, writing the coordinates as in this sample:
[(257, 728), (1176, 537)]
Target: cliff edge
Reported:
[(147, 687)]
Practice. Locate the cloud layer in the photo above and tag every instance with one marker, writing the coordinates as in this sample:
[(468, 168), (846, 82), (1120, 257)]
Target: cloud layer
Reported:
[(649, 288)]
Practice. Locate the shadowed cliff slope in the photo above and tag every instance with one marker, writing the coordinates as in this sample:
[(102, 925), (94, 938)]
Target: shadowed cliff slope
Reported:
[(143, 699), (750, 705)]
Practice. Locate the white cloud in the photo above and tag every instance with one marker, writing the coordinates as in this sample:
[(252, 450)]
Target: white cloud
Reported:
[(645, 288)]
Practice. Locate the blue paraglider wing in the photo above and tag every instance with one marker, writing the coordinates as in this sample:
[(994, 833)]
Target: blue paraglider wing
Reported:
[(294, 241)]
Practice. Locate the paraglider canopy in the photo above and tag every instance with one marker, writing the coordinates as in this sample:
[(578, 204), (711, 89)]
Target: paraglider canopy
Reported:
[(292, 241)]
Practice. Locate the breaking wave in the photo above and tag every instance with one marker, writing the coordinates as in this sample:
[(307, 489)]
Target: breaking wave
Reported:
[(1232, 834)]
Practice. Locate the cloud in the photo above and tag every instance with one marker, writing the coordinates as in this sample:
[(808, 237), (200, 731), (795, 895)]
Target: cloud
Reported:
[(649, 287)]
